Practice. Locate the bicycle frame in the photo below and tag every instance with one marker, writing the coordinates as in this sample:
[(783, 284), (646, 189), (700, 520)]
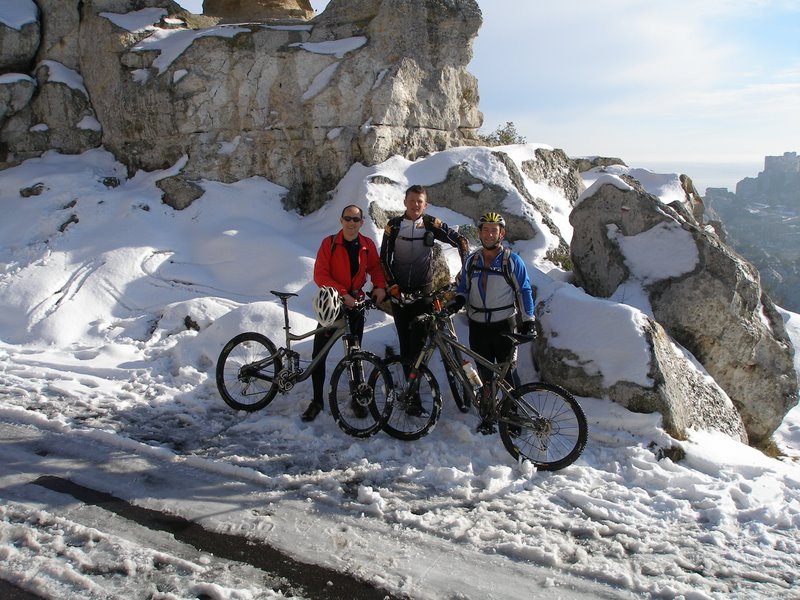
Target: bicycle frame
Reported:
[(291, 373), (441, 337)]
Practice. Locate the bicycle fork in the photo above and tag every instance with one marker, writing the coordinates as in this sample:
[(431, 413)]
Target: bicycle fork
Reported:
[(359, 391), (411, 392)]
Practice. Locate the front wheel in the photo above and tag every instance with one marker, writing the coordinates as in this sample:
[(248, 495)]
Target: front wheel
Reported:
[(544, 424), (412, 416), (246, 370), (361, 394)]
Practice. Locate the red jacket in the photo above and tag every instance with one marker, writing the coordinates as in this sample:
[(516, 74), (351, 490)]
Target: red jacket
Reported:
[(332, 267)]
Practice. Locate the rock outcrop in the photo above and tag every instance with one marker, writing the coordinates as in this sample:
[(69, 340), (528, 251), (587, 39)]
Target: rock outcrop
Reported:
[(778, 183), (295, 103), (638, 365), (258, 10), (761, 223), (20, 40), (705, 296)]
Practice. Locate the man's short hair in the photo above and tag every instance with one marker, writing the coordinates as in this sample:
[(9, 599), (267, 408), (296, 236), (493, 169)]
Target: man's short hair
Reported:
[(417, 189), (358, 208)]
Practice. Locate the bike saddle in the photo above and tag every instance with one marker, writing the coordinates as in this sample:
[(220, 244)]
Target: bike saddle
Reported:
[(282, 295)]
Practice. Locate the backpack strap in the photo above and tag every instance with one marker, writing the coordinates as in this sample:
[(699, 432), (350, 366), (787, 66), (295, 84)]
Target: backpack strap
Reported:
[(506, 270)]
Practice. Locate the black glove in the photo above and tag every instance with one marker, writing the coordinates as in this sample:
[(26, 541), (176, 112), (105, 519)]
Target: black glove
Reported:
[(455, 305), (527, 328)]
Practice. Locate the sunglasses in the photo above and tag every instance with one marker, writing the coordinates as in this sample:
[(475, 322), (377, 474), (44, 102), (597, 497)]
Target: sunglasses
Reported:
[(352, 219)]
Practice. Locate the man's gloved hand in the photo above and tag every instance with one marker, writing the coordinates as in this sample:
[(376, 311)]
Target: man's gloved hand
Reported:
[(378, 295), (455, 305), (394, 291), (527, 327)]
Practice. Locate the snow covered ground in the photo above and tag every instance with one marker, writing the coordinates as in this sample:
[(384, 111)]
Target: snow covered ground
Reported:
[(106, 383)]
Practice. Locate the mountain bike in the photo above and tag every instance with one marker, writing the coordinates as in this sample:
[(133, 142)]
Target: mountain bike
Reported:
[(412, 424), (251, 370), (538, 421)]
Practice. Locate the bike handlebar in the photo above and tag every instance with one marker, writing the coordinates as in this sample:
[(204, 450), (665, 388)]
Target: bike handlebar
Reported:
[(444, 294), (441, 311), (362, 303)]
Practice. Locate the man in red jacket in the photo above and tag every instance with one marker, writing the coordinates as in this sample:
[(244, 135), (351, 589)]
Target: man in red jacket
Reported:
[(343, 262)]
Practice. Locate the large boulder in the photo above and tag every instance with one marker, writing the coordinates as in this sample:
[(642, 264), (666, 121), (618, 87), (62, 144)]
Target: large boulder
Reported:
[(59, 115), (16, 91), (19, 39), (636, 364), (628, 245)]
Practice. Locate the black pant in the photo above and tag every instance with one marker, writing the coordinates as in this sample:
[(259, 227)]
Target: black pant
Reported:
[(320, 339), (410, 332), (487, 339)]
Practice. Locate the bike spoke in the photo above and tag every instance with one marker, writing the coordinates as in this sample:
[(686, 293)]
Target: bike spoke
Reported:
[(545, 425), (413, 414), (361, 394), (246, 370)]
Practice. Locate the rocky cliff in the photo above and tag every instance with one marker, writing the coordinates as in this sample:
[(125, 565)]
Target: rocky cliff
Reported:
[(295, 101), (761, 221)]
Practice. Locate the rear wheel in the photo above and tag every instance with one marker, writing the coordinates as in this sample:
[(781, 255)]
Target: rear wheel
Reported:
[(246, 370), (416, 416), (544, 424), (361, 394)]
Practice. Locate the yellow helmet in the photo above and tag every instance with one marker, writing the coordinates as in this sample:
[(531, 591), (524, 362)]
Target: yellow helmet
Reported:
[(492, 217)]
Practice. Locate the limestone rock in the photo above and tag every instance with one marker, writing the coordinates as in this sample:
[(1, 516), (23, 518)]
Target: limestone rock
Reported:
[(694, 201), (587, 163), (18, 47), (179, 193), (258, 10), (705, 296), (555, 169), (662, 377), (60, 36), (58, 117), (16, 91), (298, 106)]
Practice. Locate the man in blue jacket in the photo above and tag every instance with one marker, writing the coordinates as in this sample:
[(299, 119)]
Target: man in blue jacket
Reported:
[(496, 289)]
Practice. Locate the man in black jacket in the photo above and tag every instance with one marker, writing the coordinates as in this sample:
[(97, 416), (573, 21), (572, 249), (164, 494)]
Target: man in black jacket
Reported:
[(407, 261)]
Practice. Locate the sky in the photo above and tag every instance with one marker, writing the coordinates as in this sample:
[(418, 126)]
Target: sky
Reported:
[(707, 88), (103, 385)]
